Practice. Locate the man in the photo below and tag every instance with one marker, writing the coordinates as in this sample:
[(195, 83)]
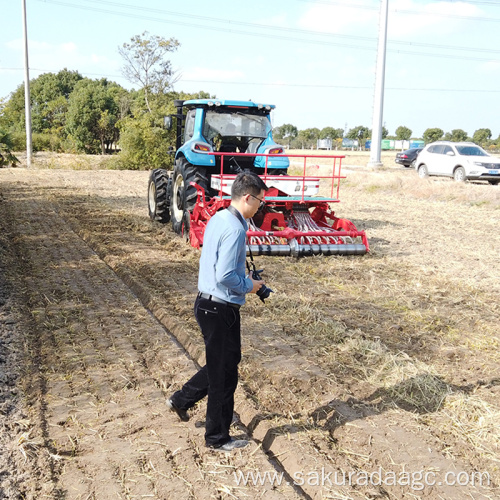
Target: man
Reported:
[(222, 288)]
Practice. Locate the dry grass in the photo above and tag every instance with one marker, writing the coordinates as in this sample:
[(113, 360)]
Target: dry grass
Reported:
[(478, 421)]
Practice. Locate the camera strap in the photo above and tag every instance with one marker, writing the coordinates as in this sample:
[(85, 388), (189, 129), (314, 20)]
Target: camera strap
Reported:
[(237, 214)]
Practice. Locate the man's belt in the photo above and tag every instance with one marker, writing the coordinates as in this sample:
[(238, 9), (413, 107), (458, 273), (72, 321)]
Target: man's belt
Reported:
[(213, 298)]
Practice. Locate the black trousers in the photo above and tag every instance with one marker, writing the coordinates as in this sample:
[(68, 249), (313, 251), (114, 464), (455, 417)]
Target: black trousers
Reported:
[(220, 326)]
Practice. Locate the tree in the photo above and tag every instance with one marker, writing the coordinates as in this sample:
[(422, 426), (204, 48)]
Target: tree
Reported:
[(403, 133), (482, 136), (49, 94), (92, 116), (303, 139), (432, 135), (144, 142), (359, 133), (313, 134), (6, 156), (145, 63), (331, 133), (456, 135), (288, 132)]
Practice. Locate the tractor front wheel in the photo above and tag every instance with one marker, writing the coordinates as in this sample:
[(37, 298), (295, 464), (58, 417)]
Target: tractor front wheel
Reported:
[(159, 195), (183, 194)]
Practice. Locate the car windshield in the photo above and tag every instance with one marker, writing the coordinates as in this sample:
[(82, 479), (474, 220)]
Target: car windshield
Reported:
[(471, 151), (235, 124)]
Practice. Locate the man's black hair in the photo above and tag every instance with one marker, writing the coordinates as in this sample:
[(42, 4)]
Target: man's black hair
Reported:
[(247, 183)]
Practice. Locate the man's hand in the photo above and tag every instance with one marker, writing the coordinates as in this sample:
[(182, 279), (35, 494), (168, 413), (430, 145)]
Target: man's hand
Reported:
[(256, 285)]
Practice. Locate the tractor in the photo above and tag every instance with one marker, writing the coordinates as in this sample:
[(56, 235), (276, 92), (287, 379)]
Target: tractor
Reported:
[(216, 140)]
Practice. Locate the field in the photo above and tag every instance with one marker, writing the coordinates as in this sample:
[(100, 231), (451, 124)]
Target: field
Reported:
[(386, 363)]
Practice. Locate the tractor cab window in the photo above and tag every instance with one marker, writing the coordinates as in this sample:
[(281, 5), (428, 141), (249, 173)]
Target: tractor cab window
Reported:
[(189, 125), (235, 124)]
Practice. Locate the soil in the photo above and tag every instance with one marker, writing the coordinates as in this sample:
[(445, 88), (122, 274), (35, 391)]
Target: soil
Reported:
[(385, 363)]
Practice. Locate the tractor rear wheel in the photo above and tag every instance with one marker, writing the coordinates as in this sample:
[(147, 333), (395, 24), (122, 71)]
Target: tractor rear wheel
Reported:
[(184, 195), (159, 195)]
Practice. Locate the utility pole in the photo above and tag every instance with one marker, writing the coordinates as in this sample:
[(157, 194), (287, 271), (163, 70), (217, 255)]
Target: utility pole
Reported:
[(27, 100), (378, 104)]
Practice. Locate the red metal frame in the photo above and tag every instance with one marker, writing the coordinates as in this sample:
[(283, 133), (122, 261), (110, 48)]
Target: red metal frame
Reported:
[(331, 233)]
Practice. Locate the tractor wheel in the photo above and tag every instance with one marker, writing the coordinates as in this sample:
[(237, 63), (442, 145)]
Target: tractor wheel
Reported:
[(183, 194), (422, 171), (159, 195), (459, 174)]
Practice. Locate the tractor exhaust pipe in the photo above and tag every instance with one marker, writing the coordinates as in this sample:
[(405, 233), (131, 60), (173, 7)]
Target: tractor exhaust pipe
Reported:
[(179, 103)]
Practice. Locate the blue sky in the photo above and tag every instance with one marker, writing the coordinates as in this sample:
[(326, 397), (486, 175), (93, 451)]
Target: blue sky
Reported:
[(315, 60)]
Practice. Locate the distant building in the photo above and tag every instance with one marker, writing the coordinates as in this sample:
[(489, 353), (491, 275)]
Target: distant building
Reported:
[(349, 143), (324, 144)]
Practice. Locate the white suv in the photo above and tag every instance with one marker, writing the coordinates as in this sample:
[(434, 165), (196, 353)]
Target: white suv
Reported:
[(460, 160)]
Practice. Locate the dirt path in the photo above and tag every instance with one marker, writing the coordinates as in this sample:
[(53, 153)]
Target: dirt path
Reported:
[(354, 370)]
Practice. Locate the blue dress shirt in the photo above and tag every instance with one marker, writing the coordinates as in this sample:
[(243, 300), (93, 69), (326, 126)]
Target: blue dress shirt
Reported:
[(222, 262)]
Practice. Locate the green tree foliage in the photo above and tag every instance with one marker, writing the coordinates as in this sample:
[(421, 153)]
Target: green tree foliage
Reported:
[(92, 116), (6, 156), (360, 134), (433, 134), (49, 95), (331, 133), (482, 136), (403, 133), (146, 65), (144, 142), (307, 138), (456, 135), (286, 133)]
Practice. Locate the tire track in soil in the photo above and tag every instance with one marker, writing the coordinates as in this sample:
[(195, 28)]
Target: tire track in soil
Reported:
[(362, 436), (98, 367)]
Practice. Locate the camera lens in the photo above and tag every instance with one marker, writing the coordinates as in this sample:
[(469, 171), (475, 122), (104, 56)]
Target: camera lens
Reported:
[(263, 292)]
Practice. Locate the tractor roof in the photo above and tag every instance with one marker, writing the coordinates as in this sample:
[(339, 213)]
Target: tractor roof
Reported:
[(198, 103)]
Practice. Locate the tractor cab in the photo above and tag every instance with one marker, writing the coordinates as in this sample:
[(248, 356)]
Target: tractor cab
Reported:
[(213, 126)]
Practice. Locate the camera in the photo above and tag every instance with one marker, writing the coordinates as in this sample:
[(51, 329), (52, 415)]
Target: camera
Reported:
[(263, 292)]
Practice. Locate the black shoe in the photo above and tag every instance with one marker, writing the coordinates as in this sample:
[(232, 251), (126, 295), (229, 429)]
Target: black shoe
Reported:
[(182, 414), (231, 445)]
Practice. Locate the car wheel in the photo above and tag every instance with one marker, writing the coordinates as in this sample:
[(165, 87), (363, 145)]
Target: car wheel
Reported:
[(423, 172), (493, 183), (459, 174), (413, 164)]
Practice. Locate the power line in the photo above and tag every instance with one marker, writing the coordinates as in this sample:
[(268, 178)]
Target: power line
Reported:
[(229, 22), (301, 85), (405, 11)]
